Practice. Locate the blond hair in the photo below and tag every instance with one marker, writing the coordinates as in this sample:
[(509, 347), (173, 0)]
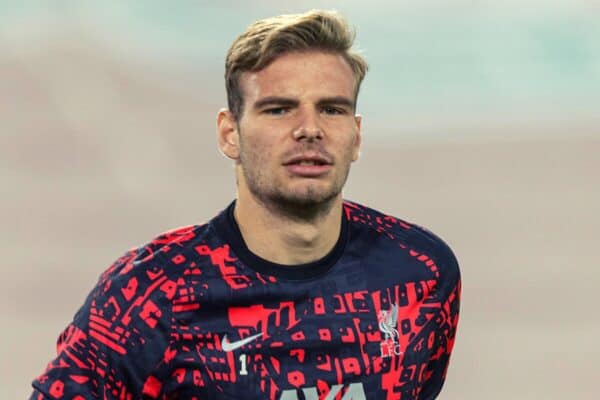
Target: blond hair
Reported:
[(267, 39)]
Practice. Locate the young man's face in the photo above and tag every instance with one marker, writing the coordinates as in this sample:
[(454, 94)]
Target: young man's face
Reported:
[(298, 133)]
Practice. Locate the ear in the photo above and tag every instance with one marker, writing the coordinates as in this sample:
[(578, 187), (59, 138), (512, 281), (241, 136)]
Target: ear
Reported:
[(227, 134), (358, 138)]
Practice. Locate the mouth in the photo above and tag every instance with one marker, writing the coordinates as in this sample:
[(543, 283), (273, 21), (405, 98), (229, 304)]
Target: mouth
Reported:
[(307, 162), (308, 159), (308, 165)]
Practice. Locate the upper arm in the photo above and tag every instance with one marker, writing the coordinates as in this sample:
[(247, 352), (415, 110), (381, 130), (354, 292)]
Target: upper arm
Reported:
[(114, 345), (445, 323)]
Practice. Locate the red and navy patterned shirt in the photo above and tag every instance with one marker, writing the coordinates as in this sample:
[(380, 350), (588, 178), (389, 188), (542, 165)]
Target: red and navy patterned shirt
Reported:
[(195, 315)]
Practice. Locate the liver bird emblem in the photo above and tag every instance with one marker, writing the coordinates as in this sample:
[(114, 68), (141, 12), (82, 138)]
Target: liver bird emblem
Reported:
[(388, 320)]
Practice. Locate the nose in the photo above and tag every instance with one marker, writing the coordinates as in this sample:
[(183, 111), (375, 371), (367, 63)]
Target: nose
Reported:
[(308, 128)]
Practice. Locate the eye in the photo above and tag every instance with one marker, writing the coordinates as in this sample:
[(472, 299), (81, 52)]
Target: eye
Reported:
[(329, 110), (276, 110)]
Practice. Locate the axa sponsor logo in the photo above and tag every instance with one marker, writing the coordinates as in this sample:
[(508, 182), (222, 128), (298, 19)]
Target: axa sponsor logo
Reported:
[(388, 321), (354, 391)]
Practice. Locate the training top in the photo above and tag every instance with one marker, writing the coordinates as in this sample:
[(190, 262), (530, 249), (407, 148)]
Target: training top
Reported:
[(194, 314)]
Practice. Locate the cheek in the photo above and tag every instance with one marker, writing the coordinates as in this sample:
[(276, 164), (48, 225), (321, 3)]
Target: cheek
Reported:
[(355, 148), (350, 145), (255, 150)]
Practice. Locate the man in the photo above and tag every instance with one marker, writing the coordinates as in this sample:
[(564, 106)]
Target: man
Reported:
[(290, 292)]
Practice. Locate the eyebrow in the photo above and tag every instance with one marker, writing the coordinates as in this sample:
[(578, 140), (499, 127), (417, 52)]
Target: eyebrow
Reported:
[(275, 100), (286, 101), (336, 100)]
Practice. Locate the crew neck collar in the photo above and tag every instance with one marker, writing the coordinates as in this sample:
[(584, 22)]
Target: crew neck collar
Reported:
[(228, 228)]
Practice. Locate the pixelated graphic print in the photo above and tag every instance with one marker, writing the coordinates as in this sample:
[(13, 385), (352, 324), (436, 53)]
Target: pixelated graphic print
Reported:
[(183, 317)]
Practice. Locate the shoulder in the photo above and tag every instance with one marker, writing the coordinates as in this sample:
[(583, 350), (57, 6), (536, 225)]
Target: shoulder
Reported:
[(143, 280), (417, 240), (135, 294), (155, 256), (121, 331)]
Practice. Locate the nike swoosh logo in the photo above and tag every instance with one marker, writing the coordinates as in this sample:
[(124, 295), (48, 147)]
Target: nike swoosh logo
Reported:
[(230, 346)]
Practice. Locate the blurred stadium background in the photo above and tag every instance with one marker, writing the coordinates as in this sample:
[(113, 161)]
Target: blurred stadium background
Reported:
[(481, 122)]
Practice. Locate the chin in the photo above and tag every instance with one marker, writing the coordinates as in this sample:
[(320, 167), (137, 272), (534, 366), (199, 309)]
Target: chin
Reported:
[(308, 198)]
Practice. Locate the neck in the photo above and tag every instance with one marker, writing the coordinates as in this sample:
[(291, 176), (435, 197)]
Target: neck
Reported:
[(285, 236)]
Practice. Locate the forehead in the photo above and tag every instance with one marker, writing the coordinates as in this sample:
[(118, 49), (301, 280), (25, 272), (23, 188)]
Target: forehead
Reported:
[(301, 74)]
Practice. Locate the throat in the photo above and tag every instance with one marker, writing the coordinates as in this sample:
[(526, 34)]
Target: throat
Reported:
[(289, 238)]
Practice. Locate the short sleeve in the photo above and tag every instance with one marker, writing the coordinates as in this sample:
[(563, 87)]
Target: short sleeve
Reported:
[(115, 343)]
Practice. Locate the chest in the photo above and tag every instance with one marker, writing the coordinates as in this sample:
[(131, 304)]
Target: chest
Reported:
[(312, 341)]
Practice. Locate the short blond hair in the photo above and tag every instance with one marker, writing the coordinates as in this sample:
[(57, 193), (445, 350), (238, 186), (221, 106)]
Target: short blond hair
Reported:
[(269, 38)]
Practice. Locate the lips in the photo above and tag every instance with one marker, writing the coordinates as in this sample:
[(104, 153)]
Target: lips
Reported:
[(308, 165), (308, 159)]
